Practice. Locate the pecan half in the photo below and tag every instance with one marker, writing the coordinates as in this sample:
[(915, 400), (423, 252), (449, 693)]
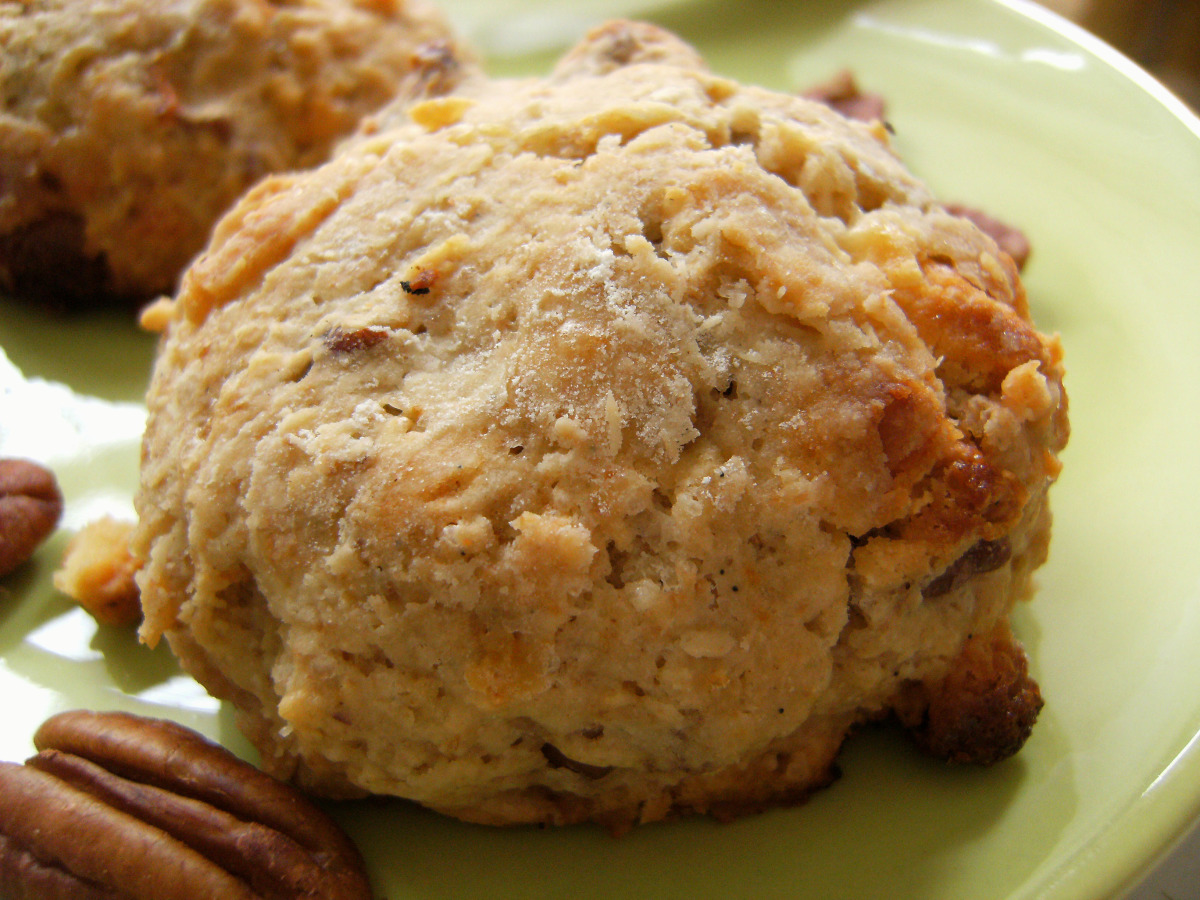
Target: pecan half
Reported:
[(30, 507), (842, 93), (120, 805), (77, 840), (1008, 238)]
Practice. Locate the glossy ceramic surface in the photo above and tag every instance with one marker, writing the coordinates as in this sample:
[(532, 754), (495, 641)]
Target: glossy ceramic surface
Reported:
[(996, 104)]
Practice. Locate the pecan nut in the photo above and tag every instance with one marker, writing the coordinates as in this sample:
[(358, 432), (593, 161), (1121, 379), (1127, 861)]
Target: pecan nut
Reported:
[(121, 805), (842, 93), (1008, 238), (30, 507)]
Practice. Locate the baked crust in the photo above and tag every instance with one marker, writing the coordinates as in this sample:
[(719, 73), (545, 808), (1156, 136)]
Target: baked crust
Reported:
[(128, 128), (983, 710), (597, 447)]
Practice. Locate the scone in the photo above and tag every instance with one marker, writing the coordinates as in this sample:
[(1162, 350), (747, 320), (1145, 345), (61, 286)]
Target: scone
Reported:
[(127, 128), (600, 447)]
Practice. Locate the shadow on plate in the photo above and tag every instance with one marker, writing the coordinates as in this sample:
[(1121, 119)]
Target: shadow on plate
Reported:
[(897, 824), (101, 354)]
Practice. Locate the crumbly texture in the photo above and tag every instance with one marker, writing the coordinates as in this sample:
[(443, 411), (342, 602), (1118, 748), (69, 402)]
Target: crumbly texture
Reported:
[(127, 128), (97, 571), (984, 708), (597, 447)]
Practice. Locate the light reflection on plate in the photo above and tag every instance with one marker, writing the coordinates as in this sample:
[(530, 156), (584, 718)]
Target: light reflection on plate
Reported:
[(1067, 60), (180, 692), (69, 636), (68, 423)]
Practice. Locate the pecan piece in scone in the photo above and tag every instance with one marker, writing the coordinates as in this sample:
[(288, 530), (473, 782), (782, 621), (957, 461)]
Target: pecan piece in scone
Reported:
[(199, 820), (30, 507)]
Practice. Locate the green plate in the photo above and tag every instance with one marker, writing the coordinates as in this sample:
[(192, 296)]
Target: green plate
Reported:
[(996, 104)]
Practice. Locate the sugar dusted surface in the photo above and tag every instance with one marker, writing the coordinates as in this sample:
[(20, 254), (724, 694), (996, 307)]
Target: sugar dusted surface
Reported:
[(634, 505)]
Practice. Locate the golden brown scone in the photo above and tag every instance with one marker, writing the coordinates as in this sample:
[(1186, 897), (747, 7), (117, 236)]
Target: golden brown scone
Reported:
[(597, 447), (127, 128)]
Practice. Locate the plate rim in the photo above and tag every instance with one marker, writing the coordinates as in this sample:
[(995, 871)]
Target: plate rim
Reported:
[(1167, 812)]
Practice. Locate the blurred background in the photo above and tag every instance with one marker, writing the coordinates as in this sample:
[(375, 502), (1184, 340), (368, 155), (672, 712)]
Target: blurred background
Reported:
[(1162, 35)]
